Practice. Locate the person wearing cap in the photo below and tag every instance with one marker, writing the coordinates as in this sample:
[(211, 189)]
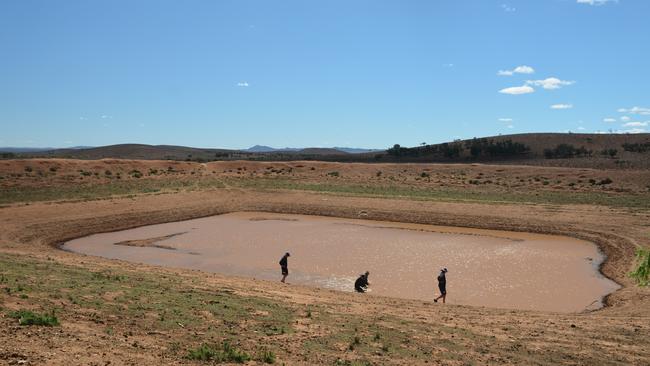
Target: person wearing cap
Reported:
[(284, 264), (361, 284), (442, 285)]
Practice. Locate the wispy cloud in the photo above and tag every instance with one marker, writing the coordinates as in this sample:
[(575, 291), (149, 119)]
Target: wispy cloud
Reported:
[(508, 9), (635, 110), (625, 118), (517, 90), (104, 116), (523, 69), (510, 126), (596, 2), (633, 130), (562, 106), (448, 65), (505, 119), (610, 120), (636, 124), (550, 83), (243, 84)]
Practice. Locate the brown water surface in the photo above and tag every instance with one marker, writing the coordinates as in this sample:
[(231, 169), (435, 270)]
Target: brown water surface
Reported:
[(486, 268)]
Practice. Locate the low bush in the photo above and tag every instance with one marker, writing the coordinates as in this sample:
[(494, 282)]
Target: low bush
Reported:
[(642, 272), (26, 317), (226, 353)]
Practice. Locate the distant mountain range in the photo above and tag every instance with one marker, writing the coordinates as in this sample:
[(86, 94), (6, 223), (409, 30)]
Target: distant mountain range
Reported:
[(254, 149), (266, 149), (36, 149)]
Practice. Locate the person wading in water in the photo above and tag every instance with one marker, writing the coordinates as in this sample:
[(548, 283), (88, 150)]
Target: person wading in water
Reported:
[(361, 284), (442, 285), (284, 264)]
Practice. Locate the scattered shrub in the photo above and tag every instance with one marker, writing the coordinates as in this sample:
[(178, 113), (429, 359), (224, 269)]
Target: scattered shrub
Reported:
[(565, 151), (26, 317), (28, 169), (227, 353), (333, 174), (266, 356), (637, 147), (135, 173), (642, 272)]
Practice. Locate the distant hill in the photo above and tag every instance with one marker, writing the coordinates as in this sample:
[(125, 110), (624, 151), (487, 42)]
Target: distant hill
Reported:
[(23, 149), (545, 149), (349, 150), (35, 149)]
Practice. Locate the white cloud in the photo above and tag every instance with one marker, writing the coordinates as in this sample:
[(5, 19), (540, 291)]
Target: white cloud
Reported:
[(448, 65), (636, 124), (581, 128), (633, 130), (243, 84), (635, 110), (596, 2), (507, 8), (511, 126), (516, 90), (505, 119), (523, 69), (625, 118), (609, 119), (103, 116), (562, 106), (550, 83)]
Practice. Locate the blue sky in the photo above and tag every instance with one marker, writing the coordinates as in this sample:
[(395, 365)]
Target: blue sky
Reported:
[(363, 73)]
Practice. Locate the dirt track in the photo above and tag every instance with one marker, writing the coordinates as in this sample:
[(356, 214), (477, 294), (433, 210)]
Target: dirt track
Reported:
[(619, 333)]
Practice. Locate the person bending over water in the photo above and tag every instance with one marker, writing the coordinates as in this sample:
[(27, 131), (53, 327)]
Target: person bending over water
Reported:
[(442, 285), (361, 284), (284, 265)]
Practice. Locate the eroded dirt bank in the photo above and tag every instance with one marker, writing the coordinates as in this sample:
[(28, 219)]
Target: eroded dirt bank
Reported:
[(617, 334)]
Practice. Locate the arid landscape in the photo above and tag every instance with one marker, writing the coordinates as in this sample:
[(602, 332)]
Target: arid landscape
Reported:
[(116, 312), (340, 183)]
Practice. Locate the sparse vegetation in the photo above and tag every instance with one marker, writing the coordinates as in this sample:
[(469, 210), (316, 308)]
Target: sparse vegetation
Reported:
[(642, 272), (27, 317), (637, 147), (266, 356), (566, 151), (135, 173), (225, 353)]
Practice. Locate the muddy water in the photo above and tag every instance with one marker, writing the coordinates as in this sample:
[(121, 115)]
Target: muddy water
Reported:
[(487, 268)]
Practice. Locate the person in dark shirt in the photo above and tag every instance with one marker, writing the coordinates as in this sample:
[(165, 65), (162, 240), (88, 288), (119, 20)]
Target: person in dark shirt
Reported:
[(361, 284), (284, 265), (442, 285)]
